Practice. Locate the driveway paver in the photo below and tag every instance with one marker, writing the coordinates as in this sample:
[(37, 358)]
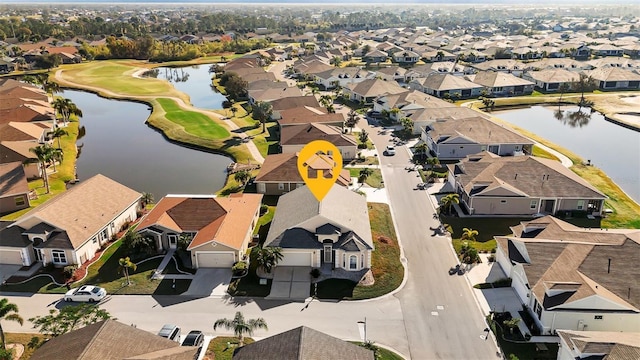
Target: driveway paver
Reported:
[(291, 282), (210, 282)]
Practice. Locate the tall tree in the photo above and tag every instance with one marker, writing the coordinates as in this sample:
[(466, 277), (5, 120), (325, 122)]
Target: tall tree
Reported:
[(69, 318), (448, 201), (585, 84), (9, 312), (124, 265), (407, 126), (242, 177), (352, 120), (66, 108), (262, 111), (268, 257), (57, 133), (43, 156), (240, 326), (363, 137), (147, 198), (563, 88)]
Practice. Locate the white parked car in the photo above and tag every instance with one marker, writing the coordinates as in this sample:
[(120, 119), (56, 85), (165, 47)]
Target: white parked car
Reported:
[(86, 293), (390, 150)]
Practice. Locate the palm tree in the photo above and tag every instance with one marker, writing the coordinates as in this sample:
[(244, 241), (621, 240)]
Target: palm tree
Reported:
[(147, 198), (585, 83), (262, 111), (241, 326), (55, 155), (50, 87), (432, 161), (58, 133), (336, 61), (469, 234), (363, 136), (8, 311), (43, 155), (125, 265), (326, 100), (407, 126), (563, 88), (421, 149), (352, 120), (395, 111), (364, 174), (66, 108), (242, 177), (268, 257), (448, 201)]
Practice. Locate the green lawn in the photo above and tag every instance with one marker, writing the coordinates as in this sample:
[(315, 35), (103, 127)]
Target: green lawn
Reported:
[(369, 144), (382, 354), (219, 350), (22, 338), (385, 264), (539, 152), (369, 160), (374, 180), (195, 123)]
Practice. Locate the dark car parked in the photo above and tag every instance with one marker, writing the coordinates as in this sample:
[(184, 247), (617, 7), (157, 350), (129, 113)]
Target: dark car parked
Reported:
[(193, 338)]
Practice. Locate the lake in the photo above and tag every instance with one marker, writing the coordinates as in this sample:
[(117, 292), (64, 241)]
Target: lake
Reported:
[(194, 81), (118, 144), (610, 147)]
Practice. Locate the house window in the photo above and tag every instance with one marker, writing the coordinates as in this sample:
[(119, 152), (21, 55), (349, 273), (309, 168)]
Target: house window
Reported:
[(580, 204), (94, 240), (105, 234), (598, 317), (344, 261), (503, 201), (362, 261), (19, 200), (534, 204), (538, 309), (59, 257), (353, 262), (280, 186)]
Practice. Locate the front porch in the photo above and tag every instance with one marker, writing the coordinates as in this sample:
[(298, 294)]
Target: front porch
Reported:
[(327, 272)]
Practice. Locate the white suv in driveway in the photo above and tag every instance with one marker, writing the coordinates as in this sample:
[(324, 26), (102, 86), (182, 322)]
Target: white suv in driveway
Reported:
[(390, 150), (86, 293)]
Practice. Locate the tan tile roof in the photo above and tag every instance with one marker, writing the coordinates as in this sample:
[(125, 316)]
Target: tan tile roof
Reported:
[(444, 82), (13, 180), (614, 345), (294, 102), (109, 339), (497, 79), (303, 134), (20, 131), (375, 87), (16, 150), (614, 74), (273, 94), (86, 208), (477, 129), (554, 75), (284, 168), (241, 209), (305, 115)]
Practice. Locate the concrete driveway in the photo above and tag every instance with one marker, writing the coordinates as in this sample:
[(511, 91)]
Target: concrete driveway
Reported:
[(291, 282), (7, 270), (210, 282)]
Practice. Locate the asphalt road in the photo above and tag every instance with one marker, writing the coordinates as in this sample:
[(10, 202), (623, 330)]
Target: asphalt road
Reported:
[(442, 318), (434, 316)]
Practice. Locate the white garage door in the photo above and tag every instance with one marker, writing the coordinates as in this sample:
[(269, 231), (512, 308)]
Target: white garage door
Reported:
[(11, 257), (215, 260), (295, 259)]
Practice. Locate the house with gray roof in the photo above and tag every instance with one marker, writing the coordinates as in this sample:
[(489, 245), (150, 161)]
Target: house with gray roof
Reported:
[(502, 84), (14, 188), (521, 185), (341, 77), (614, 78), (551, 79), (367, 90), (598, 345), (70, 228), (573, 278), (332, 234), (447, 85), (449, 139), (302, 343)]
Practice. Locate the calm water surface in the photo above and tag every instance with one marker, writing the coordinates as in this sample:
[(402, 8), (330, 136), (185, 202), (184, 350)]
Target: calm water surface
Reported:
[(612, 148), (194, 81), (119, 144)]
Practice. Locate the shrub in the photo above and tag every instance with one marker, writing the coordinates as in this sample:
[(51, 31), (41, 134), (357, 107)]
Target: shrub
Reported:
[(6, 354), (491, 258), (504, 282), (263, 209), (315, 273), (69, 270), (493, 251), (240, 266)]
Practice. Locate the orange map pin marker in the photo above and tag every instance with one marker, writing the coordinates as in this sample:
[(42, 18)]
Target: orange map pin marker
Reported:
[(319, 164)]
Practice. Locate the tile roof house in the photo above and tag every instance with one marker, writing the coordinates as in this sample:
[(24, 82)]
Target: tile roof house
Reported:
[(267, 95), (307, 115), (71, 227), (302, 343), (11, 151), (615, 78), (279, 175), (598, 345), (455, 139), (573, 278), (446, 85), (502, 84), (551, 79), (333, 234), (14, 188), (294, 138), (329, 79), (220, 227), (26, 131), (521, 185), (110, 339), (366, 91)]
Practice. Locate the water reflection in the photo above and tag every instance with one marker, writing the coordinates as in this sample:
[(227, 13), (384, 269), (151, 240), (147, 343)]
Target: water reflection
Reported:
[(578, 118)]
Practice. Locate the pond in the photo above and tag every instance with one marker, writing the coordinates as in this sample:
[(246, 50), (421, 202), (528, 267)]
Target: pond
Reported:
[(194, 81), (118, 144), (612, 148)]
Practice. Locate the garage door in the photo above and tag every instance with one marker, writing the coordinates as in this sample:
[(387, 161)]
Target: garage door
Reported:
[(295, 259), (11, 257), (215, 260)]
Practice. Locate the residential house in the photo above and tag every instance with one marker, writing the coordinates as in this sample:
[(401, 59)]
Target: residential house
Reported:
[(391, 73), (302, 343), (10, 89), (12, 151), (502, 84), (447, 86), (508, 66), (7, 66), (559, 63), (366, 91), (606, 50), (294, 138), (614, 78), (307, 68), (582, 52), (220, 228), (308, 115), (434, 55), (14, 188), (333, 234), (279, 175), (526, 53), (578, 345), (110, 339), (267, 95), (375, 56), (405, 57), (292, 103), (340, 77), (550, 80), (521, 185), (406, 104), (455, 139), (70, 228), (573, 278), (26, 131)]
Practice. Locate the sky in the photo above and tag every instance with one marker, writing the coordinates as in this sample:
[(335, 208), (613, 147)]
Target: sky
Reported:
[(389, 2)]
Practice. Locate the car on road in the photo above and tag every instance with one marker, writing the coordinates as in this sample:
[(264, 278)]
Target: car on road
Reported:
[(390, 150), (171, 332), (86, 293), (194, 338)]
